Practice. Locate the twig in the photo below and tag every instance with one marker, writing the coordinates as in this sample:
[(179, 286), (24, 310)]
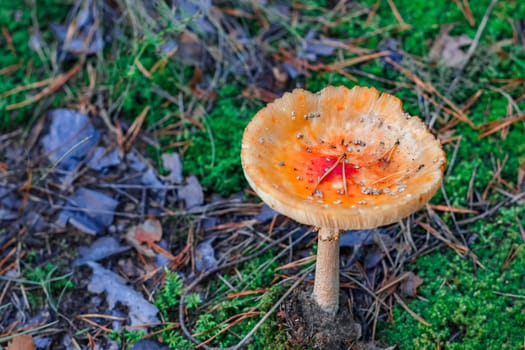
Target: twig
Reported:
[(57, 83), (26, 87), (492, 210), (28, 331), (412, 313), (516, 296), (397, 15)]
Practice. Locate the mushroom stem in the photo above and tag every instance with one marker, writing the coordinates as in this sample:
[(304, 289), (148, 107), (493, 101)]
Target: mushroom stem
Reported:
[(326, 285)]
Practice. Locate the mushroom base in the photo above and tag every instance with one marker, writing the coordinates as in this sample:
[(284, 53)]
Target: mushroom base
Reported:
[(326, 285), (310, 327)]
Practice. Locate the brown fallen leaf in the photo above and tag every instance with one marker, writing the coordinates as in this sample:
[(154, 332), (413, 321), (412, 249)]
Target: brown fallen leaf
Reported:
[(140, 235), (447, 49), (21, 342), (409, 285)]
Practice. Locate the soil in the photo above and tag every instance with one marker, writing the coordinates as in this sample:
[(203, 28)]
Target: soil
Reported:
[(309, 326)]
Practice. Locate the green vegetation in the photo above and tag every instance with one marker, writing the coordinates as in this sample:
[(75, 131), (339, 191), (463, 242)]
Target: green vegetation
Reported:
[(22, 65), (44, 284), (214, 153), (222, 322), (469, 306)]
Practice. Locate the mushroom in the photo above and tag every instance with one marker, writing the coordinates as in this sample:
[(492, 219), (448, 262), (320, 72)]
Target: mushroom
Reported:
[(340, 159)]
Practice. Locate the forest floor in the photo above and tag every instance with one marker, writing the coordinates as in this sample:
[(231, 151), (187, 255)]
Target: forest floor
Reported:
[(125, 219)]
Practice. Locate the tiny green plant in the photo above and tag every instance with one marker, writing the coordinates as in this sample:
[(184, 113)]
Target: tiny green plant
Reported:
[(126, 336), (215, 323), (47, 286)]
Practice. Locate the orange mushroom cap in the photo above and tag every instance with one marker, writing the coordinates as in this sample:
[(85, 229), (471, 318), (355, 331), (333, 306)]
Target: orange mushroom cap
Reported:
[(341, 158)]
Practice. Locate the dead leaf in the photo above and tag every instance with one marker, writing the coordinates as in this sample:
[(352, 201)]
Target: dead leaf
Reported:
[(409, 285), (140, 235), (205, 256), (140, 311), (191, 193), (21, 342), (447, 49), (88, 210), (70, 138), (100, 249), (172, 163)]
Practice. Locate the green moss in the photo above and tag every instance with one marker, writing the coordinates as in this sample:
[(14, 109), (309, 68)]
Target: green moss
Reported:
[(214, 154), (469, 307), (19, 23), (211, 323)]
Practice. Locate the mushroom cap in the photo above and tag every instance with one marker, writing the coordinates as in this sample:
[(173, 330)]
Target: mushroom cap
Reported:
[(341, 158)]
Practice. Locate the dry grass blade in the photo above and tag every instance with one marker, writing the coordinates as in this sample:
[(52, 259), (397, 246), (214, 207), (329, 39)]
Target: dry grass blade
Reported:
[(515, 296), (26, 87), (464, 6), (355, 60), (497, 125), (446, 208), (10, 69), (9, 40), (511, 255), (297, 263), (246, 292), (472, 47), (456, 246), (57, 83), (230, 322), (393, 283), (412, 313), (134, 129), (397, 15), (458, 113), (143, 69), (26, 330)]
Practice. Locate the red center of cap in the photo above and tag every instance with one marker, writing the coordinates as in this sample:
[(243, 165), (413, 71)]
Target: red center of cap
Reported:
[(318, 166)]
